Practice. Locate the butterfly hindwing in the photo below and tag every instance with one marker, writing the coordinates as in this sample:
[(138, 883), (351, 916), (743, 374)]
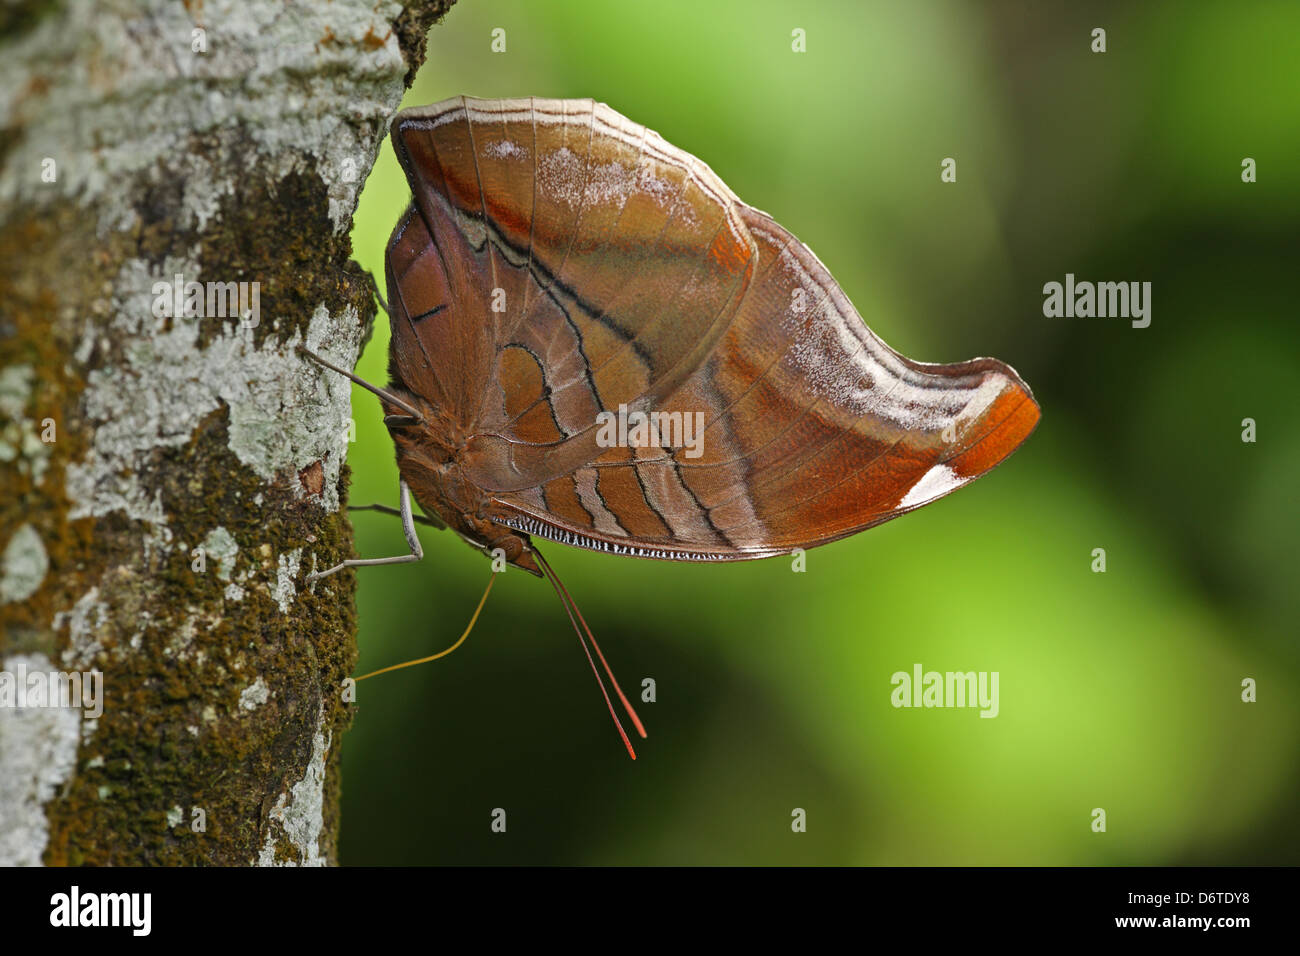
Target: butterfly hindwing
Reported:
[(813, 430)]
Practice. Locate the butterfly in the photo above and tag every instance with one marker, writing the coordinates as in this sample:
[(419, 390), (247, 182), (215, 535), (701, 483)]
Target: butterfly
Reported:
[(595, 342)]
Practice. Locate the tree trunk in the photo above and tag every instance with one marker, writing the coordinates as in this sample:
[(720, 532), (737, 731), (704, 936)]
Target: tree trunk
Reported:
[(168, 476)]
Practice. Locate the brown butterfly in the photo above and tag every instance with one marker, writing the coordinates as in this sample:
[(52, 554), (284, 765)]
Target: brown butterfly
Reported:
[(595, 342)]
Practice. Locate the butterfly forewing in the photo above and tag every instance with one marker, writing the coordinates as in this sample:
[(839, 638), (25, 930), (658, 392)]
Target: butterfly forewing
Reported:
[(636, 258)]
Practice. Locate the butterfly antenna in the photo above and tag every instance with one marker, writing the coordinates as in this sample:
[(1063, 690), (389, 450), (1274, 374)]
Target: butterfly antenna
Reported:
[(571, 608), (627, 706), (381, 392), (433, 657)]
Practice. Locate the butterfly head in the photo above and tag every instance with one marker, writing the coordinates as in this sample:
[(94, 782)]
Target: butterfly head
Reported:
[(429, 453)]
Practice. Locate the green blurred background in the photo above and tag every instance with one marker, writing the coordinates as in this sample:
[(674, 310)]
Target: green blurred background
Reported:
[(1119, 690)]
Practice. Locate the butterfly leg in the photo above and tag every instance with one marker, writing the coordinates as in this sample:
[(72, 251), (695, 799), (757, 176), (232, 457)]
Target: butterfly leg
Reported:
[(386, 510), (379, 296), (414, 414), (412, 540)]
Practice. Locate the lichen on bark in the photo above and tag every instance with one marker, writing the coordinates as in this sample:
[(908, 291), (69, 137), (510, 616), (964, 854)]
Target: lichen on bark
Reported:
[(166, 481)]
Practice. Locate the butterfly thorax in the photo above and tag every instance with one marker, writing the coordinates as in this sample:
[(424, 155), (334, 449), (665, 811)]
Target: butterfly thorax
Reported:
[(429, 459)]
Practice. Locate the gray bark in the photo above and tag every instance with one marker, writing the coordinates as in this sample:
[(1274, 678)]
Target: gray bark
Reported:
[(168, 480)]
